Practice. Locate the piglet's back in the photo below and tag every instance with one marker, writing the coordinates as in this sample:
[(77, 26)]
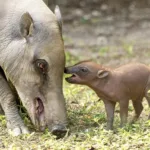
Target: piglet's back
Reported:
[(135, 77)]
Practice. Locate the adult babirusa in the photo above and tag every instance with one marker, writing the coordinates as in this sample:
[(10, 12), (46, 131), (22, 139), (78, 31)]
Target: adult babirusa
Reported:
[(32, 60)]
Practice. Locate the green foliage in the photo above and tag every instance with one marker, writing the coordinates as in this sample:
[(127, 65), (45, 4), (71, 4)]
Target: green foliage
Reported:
[(103, 51), (2, 120), (70, 60), (67, 39), (129, 49)]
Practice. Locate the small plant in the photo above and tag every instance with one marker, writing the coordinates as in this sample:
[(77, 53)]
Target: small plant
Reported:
[(103, 51), (129, 49)]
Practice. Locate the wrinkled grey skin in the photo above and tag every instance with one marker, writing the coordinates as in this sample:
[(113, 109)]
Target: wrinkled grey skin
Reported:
[(29, 31), (46, 2)]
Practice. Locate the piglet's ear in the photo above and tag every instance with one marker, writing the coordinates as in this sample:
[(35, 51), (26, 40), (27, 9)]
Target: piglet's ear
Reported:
[(102, 73), (26, 24), (58, 16)]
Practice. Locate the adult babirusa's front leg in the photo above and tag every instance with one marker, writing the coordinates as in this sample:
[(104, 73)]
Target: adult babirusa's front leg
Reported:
[(15, 124), (109, 107)]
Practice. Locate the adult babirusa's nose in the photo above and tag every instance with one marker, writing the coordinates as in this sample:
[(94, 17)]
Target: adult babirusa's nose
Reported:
[(59, 130)]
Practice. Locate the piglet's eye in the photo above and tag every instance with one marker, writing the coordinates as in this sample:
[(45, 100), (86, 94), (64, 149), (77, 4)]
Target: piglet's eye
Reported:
[(84, 69), (41, 66)]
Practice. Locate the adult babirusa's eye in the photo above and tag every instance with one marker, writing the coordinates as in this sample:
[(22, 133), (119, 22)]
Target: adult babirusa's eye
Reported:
[(41, 66)]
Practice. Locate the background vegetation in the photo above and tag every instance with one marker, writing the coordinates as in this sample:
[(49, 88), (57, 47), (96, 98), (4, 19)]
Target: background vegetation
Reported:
[(111, 33)]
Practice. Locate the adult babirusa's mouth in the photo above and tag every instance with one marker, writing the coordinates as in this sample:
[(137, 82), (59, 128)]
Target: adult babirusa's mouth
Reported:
[(39, 114), (39, 107)]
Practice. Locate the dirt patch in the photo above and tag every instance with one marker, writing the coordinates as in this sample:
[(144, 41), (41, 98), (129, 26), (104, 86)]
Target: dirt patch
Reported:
[(111, 33)]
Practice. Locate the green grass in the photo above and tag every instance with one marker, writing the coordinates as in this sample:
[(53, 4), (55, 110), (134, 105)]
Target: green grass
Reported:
[(86, 124), (129, 49)]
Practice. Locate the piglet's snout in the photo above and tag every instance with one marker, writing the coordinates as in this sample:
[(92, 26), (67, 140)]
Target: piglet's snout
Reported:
[(71, 70), (68, 70), (65, 70)]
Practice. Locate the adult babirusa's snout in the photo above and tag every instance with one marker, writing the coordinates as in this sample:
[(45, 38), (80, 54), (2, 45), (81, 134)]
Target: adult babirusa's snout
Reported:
[(59, 130), (55, 112)]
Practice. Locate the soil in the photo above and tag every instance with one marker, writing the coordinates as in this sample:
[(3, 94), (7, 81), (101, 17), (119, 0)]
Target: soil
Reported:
[(110, 33)]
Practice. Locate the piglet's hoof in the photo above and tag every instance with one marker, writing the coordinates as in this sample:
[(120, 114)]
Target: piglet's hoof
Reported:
[(1, 111), (18, 131), (132, 121), (108, 128), (59, 130)]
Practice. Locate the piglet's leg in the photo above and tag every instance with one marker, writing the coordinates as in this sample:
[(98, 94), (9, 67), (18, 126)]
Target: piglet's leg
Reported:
[(148, 100), (124, 103), (1, 110), (109, 107), (138, 109)]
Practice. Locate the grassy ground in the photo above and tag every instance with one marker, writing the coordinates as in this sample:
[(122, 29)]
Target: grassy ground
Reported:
[(87, 121), (110, 40)]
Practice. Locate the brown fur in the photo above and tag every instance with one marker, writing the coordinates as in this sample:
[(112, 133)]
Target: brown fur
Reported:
[(128, 82)]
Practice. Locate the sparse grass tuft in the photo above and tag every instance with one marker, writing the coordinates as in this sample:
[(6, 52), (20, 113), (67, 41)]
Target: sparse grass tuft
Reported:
[(129, 49)]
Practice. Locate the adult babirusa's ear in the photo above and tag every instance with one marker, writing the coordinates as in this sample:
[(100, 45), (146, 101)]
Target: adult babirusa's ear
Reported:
[(102, 73), (58, 16), (26, 25)]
